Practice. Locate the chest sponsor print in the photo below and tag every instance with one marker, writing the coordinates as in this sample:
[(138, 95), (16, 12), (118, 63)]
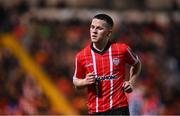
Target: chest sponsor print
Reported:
[(116, 61)]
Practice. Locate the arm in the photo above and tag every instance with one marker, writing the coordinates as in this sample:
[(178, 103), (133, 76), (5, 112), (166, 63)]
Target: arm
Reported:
[(134, 73), (82, 83)]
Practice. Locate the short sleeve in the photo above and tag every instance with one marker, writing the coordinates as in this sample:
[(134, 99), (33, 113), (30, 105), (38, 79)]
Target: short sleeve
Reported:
[(130, 57), (79, 68)]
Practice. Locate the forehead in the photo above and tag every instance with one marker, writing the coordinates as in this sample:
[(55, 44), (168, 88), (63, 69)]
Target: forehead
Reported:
[(98, 22)]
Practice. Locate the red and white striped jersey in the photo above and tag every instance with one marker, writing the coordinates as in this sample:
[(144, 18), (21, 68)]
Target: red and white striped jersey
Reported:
[(109, 69)]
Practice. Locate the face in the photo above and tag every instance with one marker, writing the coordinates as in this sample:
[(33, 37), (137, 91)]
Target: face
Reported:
[(99, 31)]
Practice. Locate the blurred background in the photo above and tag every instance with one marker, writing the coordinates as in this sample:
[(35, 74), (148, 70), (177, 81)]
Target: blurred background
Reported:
[(39, 40)]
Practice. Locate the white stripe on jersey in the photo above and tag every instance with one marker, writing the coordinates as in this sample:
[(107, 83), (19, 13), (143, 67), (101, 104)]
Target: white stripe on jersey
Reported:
[(95, 72), (111, 72), (74, 77), (134, 57)]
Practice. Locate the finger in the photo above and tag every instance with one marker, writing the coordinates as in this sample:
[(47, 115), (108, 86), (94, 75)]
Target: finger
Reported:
[(91, 79), (127, 87), (124, 84), (91, 74), (128, 90)]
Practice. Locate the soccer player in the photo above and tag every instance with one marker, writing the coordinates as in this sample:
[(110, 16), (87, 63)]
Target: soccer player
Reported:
[(100, 67)]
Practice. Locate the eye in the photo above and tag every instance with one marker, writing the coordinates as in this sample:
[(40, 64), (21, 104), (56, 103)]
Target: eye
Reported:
[(92, 27), (100, 28)]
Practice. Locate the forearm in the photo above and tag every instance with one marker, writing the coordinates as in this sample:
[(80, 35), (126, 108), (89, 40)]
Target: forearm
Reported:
[(79, 83), (134, 73), (82, 83)]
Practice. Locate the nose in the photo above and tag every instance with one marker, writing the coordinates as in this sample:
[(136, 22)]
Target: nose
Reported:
[(94, 30)]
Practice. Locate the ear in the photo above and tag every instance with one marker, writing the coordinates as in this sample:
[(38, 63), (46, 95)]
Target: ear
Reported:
[(109, 33)]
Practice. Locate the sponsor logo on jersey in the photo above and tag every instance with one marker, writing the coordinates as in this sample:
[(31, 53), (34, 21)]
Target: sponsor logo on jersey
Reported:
[(116, 61), (108, 77)]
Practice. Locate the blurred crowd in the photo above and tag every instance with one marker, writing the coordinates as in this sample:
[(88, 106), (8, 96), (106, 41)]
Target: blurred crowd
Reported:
[(53, 45)]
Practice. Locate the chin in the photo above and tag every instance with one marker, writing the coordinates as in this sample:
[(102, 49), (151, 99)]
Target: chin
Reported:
[(94, 40)]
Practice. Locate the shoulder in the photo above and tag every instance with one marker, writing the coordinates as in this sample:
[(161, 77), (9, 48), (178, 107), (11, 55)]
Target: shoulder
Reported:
[(82, 52), (121, 46)]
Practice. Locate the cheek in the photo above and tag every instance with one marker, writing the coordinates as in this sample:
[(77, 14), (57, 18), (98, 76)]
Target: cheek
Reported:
[(103, 34), (90, 31)]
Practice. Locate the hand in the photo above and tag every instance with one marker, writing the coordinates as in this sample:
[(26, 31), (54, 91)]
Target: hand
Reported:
[(90, 79), (127, 87)]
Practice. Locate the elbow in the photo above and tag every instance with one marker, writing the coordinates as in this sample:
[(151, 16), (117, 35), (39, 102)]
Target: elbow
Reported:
[(75, 82), (138, 67)]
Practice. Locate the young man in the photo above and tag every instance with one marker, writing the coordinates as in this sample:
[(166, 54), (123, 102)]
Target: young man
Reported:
[(101, 68)]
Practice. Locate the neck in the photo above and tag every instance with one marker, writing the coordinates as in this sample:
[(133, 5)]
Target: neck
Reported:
[(100, 46)]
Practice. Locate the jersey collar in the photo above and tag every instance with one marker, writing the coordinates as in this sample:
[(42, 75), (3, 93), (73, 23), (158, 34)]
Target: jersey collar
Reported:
[(104, 50)]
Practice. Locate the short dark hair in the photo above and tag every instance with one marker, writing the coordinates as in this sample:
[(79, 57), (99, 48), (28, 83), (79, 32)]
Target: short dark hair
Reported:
[(106, 18)]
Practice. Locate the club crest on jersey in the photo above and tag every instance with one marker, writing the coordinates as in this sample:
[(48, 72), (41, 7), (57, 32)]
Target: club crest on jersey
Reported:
[(116, 61)]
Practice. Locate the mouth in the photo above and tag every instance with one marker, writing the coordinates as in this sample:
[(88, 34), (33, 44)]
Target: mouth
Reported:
[(94, 36)]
